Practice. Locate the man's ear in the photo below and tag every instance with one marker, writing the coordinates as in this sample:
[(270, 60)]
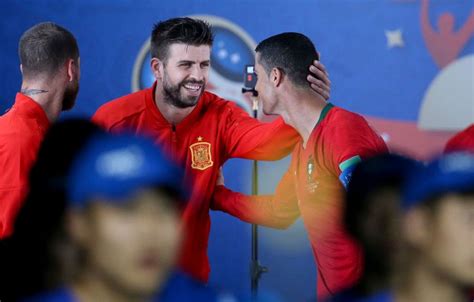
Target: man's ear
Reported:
[(72, 69), (276, 76), (21, 69), (157, 67)]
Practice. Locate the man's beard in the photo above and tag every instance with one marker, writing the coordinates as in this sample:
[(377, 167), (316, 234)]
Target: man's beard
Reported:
[(69, 98), (173, 96)]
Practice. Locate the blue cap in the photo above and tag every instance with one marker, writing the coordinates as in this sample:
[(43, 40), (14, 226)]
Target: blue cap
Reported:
[(115, 167), (453, 172)]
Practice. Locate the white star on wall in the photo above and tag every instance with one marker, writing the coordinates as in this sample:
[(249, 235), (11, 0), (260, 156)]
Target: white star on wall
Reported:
[(235, 58), (394, 38), (222, 53)]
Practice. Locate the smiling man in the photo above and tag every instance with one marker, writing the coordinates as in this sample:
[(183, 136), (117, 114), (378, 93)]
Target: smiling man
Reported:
[(199, 129)]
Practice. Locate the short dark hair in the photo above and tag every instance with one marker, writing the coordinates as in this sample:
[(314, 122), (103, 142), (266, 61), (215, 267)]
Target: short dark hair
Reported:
[(45, 47), (179, 30), (291, 52)]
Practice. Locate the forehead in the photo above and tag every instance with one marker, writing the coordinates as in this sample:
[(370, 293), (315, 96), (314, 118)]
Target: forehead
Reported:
[(180, 51), (258, 65), (144, 197)]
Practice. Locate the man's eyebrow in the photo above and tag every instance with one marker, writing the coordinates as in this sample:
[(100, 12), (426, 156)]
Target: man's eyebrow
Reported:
[(186, 61)]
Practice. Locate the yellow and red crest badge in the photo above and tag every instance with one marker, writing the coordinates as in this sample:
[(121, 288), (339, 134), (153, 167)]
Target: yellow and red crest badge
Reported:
[(201, 155)]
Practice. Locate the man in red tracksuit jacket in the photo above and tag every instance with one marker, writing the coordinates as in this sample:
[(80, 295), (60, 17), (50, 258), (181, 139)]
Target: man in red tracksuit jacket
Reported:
[(49, 58), (333, 141), (199, 129)]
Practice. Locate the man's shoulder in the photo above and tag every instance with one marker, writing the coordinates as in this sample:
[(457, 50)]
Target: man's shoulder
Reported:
[(344, 116), (214, 102), (121, 108), (340, 119), (16, 130), (351, 131), (225, 110), (12, 118)]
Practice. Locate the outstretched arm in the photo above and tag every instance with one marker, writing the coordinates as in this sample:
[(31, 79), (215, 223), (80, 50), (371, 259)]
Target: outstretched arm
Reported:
[(276, 211)]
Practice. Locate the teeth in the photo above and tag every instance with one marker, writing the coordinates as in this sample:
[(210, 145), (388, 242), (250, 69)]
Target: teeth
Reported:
[(193, 87)]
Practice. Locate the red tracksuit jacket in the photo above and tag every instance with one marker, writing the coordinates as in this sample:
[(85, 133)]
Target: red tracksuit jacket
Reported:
[(22, 129), (313, 189), (213, 132)]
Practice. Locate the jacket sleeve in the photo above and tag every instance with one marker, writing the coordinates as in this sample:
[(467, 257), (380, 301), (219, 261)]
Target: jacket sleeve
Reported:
[(276, 211), (246, 137)]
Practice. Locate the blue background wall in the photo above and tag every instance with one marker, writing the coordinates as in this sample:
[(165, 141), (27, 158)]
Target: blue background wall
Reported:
[(381, 82)]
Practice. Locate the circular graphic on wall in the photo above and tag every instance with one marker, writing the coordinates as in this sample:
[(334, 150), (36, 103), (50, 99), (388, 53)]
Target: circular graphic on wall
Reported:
[(448, 103)]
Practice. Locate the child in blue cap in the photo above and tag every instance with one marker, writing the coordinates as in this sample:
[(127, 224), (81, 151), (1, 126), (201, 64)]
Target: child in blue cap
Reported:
[(437, 261), (123, 219)]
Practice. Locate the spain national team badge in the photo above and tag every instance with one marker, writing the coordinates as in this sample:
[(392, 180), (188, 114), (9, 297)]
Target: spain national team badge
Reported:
[(201, 155)]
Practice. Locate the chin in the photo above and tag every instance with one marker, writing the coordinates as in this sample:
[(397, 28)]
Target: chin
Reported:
[(141, 284)]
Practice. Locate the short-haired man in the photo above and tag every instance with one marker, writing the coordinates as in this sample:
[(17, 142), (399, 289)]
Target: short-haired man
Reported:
[(332, 141), (49, 58), (199, 129)]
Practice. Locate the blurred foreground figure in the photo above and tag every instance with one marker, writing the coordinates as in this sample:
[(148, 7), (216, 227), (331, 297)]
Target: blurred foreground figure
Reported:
[(372, 217), (124, 199), (109, 231), (31, 258), (437, 262)]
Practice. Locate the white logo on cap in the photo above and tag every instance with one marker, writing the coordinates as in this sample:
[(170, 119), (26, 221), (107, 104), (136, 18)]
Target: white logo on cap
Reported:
[(122, 163)]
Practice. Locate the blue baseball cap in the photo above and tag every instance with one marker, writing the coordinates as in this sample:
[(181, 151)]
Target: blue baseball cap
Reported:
[(453, 172), (114, 167)]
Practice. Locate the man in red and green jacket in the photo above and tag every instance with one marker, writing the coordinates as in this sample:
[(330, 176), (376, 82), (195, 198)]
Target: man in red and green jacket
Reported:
[(332, 141)]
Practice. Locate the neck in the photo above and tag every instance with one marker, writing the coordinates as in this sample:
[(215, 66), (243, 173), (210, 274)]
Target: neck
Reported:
[(46, 94), (302, 111), (172, 114), (425, 285), (92, 287)]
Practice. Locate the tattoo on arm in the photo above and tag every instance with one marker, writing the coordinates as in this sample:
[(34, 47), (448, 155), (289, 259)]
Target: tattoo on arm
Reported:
[(28, 91)]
